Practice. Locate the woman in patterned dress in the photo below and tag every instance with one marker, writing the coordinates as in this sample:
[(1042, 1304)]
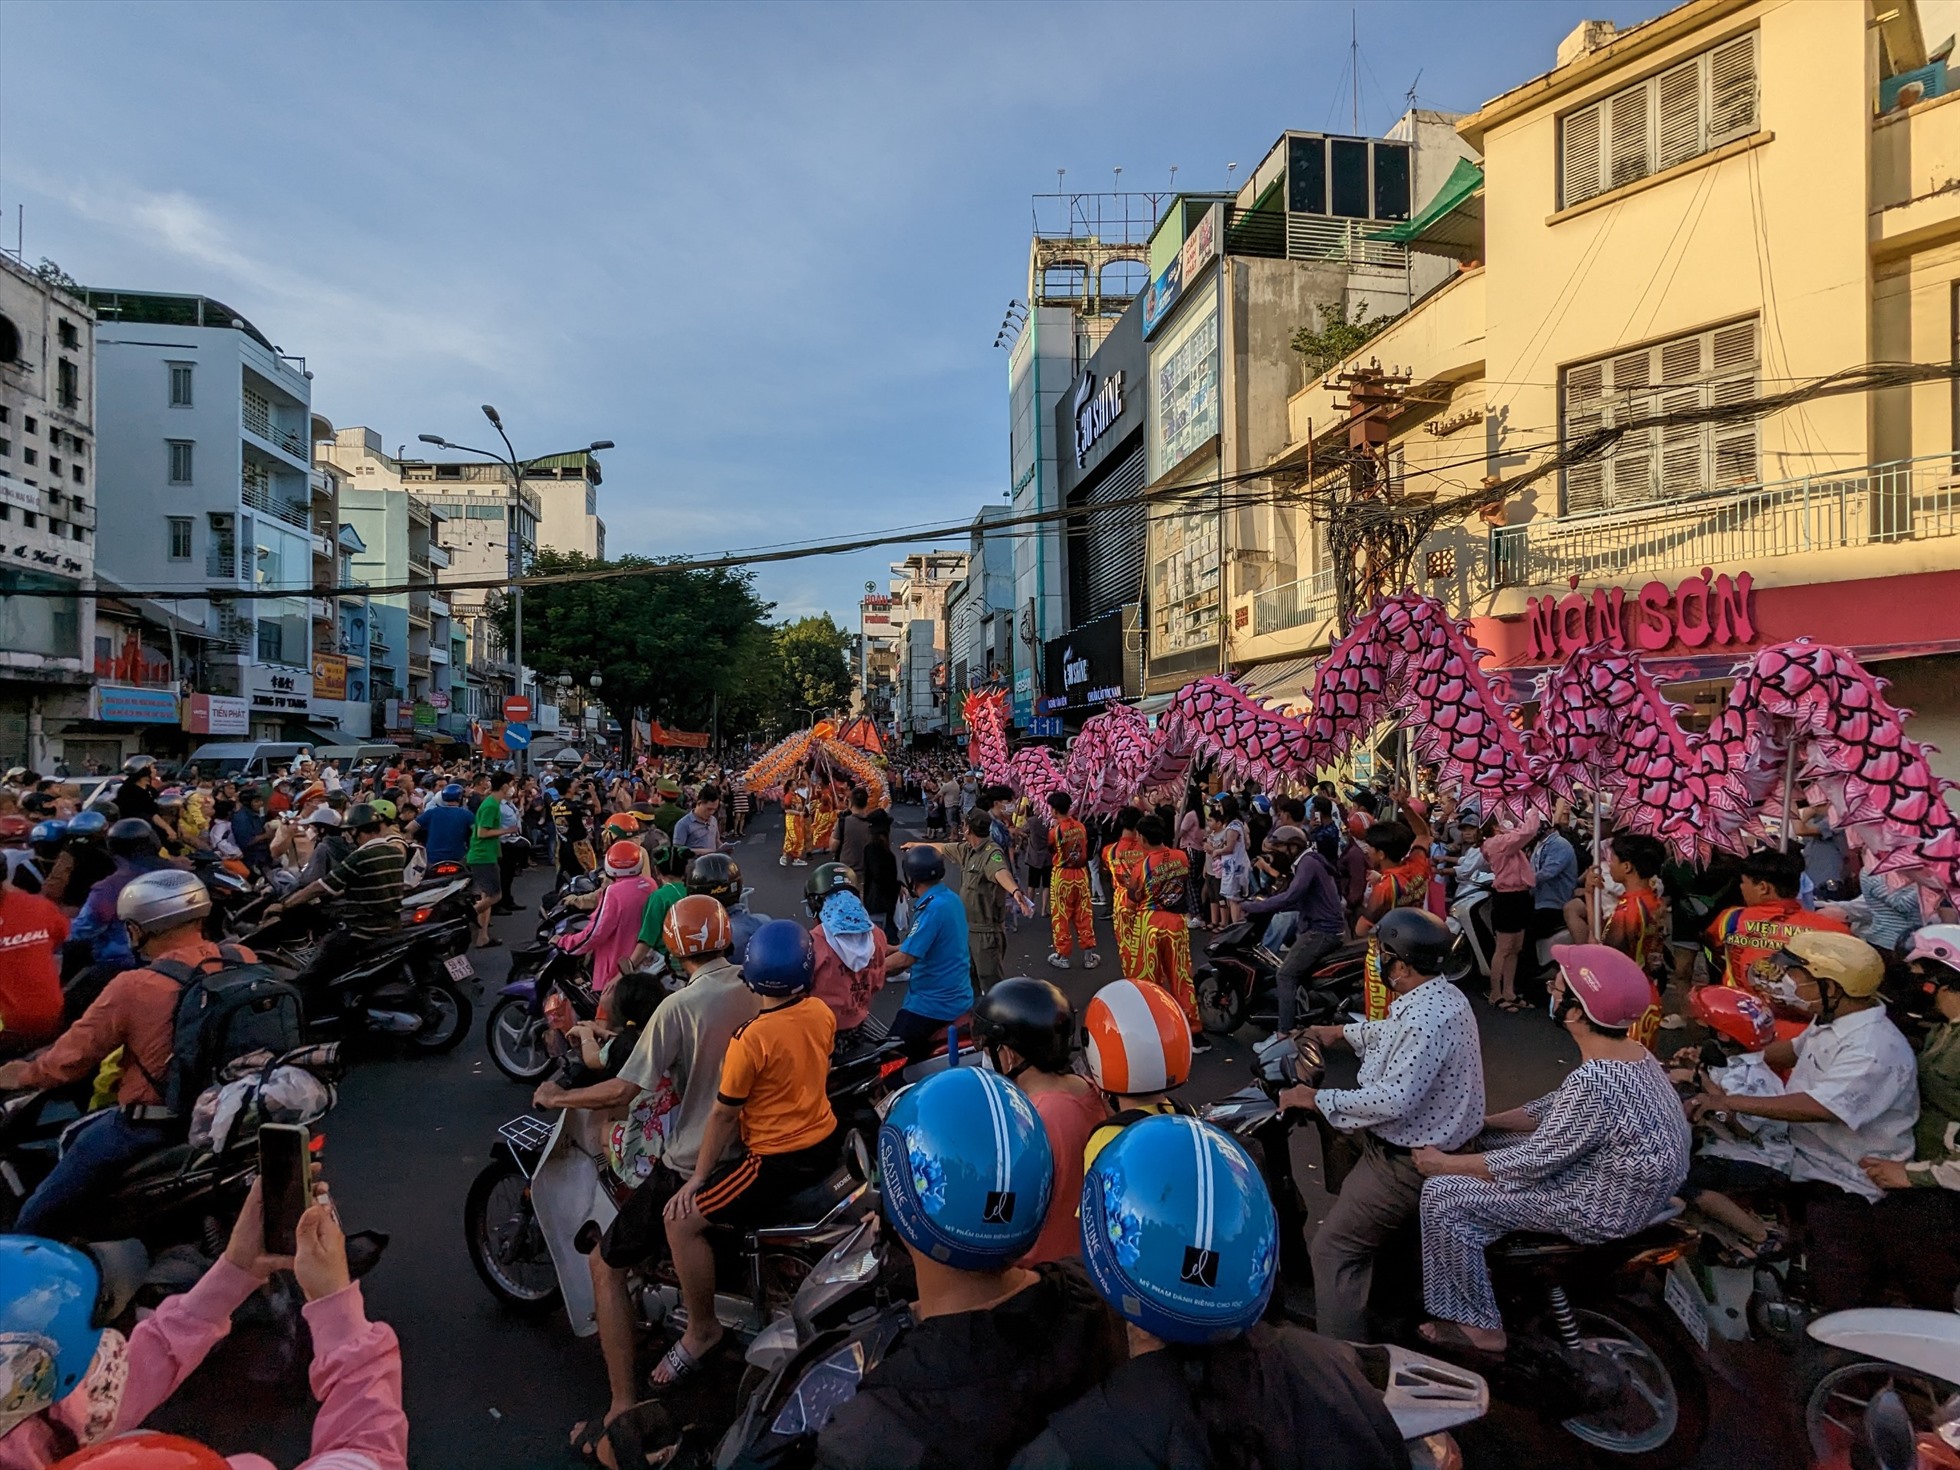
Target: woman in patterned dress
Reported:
[(1602, 1157)]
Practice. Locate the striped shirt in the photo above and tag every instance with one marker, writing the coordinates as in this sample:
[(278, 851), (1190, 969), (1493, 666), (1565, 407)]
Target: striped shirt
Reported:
[(368, 883)]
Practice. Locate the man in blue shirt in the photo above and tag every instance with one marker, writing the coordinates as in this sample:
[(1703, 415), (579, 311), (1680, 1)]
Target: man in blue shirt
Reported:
[(934, 956), (1555, 872), (444, 829)]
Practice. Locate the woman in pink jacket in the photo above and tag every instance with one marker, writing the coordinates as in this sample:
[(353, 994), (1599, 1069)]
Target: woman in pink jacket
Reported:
[(615, 928), (356, 1372)]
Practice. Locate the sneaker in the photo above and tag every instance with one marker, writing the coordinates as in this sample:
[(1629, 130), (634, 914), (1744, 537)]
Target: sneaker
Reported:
[(1059, 960), (1200, 1043), (1090, 960), (801, 863), (782, 862)]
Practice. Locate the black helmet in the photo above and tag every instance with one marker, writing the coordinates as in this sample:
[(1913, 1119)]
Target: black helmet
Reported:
[(718, 875), (1032, 1016), (826, 879), (1416, 937), (134, 837), (360, 815), (923, 864)]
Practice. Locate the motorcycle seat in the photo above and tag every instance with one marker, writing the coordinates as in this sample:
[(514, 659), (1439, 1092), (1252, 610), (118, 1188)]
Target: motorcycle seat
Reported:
[(810, 1207), (1534, 1245), (162, 1164)]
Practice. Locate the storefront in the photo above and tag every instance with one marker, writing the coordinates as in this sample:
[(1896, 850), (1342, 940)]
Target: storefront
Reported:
[(1099, 424), (1690, 633), (1089, 668)]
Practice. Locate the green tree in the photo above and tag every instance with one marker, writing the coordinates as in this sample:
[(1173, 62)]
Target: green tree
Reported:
[(816, 665), (669, 642), (1340, 335)]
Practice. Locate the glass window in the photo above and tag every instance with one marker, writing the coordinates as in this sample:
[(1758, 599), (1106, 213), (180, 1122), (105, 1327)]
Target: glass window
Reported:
[(180, 385), (180, 538), (180, 461), (1349, 167), (1306, 175), (1391, 181), (49, 626)]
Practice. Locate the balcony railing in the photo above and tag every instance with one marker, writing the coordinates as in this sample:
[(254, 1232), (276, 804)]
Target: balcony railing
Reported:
[(1280, 236), (260, 498), (1880, 505), (1293, 604), (260, 424)]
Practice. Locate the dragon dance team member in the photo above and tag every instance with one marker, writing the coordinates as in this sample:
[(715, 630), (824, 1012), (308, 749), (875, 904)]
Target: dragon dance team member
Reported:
[(796, 823), (1767, 919), (1070, 917), (823, 815), (1119, 857), (1160, 881)]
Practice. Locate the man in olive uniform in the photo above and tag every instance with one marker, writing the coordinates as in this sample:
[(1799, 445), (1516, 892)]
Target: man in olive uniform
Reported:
[(987, 886)]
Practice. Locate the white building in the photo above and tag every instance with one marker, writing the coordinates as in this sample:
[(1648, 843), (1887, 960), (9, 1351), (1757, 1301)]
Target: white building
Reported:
[(919, 588), (47, 515)]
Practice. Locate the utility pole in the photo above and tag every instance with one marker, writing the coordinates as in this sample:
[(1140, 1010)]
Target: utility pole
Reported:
[(1371, 551)]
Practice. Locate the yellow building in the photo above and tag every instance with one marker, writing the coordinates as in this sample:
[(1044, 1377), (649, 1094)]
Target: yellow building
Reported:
[(1735, 200)]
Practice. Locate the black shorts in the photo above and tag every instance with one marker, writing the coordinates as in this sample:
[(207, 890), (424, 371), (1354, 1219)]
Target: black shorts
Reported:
[(1510, 911), (639, 1232), (749, 1191), (1545, 923), (1038, 877), (1731, 1176)]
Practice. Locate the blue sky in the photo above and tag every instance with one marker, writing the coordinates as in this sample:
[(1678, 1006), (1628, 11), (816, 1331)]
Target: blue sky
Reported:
[(763, 247)]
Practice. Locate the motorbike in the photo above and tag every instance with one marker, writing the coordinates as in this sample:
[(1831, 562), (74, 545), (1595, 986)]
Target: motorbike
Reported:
[(409, 984), (516, 1032), (1607, 1339), (1896, 1397), (1476, 938), (1239, 985)]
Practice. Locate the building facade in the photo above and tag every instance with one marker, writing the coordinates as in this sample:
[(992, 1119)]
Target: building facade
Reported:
[(48, 517), (919, 589)]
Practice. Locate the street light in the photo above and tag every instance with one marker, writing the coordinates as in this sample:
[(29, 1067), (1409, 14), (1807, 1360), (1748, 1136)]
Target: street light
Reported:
[(514, 565)]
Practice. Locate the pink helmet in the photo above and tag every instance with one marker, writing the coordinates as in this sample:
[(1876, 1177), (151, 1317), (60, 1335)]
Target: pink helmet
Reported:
[(1613, 990), (1939, 943)]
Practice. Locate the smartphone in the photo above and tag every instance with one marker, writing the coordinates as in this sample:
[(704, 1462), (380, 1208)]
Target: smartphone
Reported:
[(285, 1184)]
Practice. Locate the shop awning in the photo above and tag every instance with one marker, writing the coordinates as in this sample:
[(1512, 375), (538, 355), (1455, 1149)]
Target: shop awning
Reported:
[(1284, 682), (1452, 223)]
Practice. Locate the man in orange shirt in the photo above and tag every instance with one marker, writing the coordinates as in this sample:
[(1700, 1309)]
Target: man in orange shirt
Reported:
[(1746, 936), (1071, 920), (32, 931), (1399, 854), (1121, 857), (1160, 879), (136, 1011), (772, 1089)]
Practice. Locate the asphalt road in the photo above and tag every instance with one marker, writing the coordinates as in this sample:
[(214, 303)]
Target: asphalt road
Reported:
[(487, 1389)]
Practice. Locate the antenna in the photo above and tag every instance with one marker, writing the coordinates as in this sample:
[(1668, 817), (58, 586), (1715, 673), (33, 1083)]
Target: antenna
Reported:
[(1173, 178), (1412, 89), (1354, 65), (1060, 174), (1230, 169)]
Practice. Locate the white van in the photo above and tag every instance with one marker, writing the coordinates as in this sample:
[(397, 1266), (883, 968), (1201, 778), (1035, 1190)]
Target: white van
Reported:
[(246, 760), (349, 756)]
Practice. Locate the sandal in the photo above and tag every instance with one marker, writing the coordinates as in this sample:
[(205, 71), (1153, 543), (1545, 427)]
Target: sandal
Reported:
[(642, 1432), (587, 1435), (1452, 1338), (681, 1365)]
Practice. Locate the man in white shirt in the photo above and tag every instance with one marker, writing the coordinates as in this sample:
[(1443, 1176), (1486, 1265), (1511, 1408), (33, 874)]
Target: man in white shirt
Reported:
[(1421, 1085), (1853, 1093)]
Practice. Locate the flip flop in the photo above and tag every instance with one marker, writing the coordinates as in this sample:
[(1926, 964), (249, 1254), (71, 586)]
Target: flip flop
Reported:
[(1452, 1338), (586, 1436), (680, 1364), (645, 1429)]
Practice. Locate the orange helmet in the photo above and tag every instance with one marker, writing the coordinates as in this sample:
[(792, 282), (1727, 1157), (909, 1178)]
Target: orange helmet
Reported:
[(1137, 1039), (144, 1450), (623, 859), (697, 925), (622, 822)]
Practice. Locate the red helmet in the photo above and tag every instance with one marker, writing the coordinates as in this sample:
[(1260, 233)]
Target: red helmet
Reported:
[(14, 828), (1613, 991), (1357, 824), (1738, 1014), (623, 859), (697, 925), (144, 1450)]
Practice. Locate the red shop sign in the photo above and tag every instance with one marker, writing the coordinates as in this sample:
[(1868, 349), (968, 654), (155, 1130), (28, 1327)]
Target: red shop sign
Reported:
[(1701, 612)]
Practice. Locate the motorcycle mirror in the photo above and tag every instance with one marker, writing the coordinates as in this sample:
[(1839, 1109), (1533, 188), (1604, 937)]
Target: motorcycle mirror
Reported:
[(860, 1157)]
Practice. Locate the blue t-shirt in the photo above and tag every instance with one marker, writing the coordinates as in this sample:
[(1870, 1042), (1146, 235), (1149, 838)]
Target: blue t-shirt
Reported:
[(445, 832), (941, 977)]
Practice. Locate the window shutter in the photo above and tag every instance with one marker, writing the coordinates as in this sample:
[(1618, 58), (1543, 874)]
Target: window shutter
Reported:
[(1677, 112), (1585, 484), (1627, 131), (1736, 369), (1681, 361), (1579, 170), (1732, 90)]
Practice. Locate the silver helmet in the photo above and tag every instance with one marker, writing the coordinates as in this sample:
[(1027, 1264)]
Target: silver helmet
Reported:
[(163, 900)]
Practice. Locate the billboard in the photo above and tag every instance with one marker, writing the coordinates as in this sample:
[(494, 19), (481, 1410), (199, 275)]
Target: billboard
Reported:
[(217, 714), (1199, 249), (122, 705), (329, 676), (1184, 388), (1089, 666)]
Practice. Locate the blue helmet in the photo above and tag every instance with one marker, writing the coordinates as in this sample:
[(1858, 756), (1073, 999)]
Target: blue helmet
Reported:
[(923, 864), (49, 1323), (1178, 1232), (780, 959), (47, 834), (452, 792), (89, 824), (966, 1169)]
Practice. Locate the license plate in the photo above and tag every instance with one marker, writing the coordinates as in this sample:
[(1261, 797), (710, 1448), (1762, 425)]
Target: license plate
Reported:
[(459, 967), (1684, 1298)]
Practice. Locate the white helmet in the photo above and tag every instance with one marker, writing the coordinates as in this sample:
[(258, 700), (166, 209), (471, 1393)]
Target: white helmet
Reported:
[(163, 900), (1939, 943)]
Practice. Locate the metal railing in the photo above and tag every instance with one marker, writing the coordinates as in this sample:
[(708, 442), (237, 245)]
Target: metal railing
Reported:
[(259, 423), (1904, 500), (259, 498), (1293, 604), (1278, 236)]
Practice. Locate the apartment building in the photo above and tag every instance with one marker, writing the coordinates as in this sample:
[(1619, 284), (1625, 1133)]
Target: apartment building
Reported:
[(920, 586), (47, 519), (1735, 200)]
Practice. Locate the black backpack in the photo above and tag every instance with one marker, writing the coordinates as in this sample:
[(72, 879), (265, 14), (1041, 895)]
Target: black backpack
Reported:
[(231, 1006)]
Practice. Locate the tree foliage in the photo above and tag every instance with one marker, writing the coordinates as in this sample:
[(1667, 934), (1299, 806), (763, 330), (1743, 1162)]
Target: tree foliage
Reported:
[(1340, 335), (668, 643), (816, 665)]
